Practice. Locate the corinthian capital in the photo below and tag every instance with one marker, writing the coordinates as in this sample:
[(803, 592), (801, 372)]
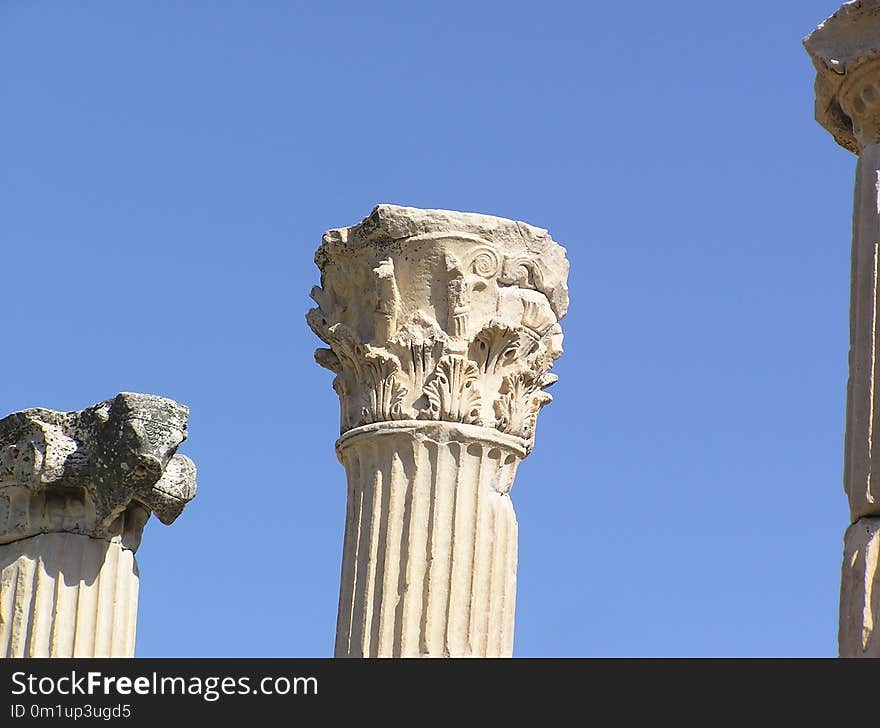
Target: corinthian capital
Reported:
[(442, 329), (438, 315)]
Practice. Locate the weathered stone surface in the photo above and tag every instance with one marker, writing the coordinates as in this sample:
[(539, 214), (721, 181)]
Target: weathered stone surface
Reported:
[(846, 52), (429, 560), (858, 634), (442, 328), (76, 489), (170, 494), (862, 443), (78, 472), (439, 315), (66, 595)]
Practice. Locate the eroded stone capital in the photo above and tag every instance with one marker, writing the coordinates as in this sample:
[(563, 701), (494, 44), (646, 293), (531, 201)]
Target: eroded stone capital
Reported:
[(846, 53), (98, 472), (440, 315)]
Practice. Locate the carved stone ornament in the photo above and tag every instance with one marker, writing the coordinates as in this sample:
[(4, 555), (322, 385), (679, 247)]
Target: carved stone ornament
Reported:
[(846, 54), (98, 472), (437, 315), (76, 489), (442, 328)]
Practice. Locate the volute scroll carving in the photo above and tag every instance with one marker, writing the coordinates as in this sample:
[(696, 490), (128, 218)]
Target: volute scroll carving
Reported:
[(435, 315)]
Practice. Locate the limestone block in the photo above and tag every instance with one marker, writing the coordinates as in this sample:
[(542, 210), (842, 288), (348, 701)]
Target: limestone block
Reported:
[(442, 328), (77, 472), (66, 595)]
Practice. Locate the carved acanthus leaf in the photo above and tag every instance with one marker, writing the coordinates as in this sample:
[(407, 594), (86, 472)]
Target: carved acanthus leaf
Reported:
[(368, 379), (453, 393), (432, 314), (343, 387), (520, 400), (383, 394), (538, 319), (495, 347), (418, 344)]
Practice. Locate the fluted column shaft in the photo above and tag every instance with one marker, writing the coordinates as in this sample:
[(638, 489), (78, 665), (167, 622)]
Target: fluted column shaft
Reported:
[(429, 559), (67, 595)]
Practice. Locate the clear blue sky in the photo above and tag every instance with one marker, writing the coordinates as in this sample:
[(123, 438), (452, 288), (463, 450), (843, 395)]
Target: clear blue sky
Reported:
[(167, 170)]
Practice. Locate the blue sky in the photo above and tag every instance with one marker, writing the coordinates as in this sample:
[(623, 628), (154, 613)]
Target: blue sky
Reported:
[(167, 172)]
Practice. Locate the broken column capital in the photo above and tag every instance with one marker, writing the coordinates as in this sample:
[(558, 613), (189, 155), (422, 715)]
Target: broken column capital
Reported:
[(439, 315), (98, 472), (845, 50)]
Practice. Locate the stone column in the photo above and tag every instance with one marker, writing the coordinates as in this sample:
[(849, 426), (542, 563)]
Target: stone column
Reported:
[(442, 328), (846, 53), (76, 489)]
